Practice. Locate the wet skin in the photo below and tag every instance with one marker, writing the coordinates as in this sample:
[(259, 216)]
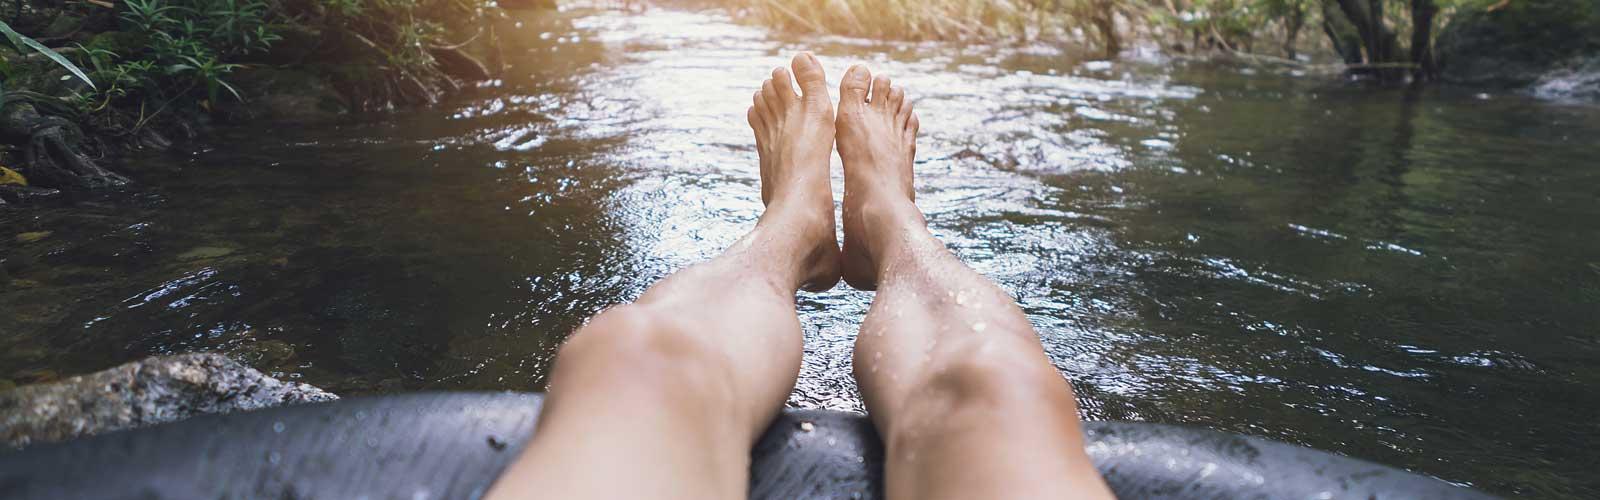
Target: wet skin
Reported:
[(676, 387)]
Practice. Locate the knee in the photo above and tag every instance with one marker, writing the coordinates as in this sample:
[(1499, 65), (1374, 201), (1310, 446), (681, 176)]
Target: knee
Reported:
[(998, 371), (643, 345)]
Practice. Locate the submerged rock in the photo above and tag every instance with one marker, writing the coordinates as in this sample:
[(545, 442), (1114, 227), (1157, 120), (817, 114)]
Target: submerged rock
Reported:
[(151, 391), (1578, 82), (17, 193), (32, 236), (200, 253), (264, 353)]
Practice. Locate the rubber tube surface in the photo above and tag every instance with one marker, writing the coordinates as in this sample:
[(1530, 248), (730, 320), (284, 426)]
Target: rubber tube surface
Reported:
[(453, 445)]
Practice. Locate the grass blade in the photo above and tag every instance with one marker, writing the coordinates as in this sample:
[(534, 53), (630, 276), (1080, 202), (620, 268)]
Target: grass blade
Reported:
[(20, 41)]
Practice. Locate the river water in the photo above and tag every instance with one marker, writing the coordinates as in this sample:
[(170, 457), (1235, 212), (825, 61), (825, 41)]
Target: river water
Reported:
[(1409, 279)]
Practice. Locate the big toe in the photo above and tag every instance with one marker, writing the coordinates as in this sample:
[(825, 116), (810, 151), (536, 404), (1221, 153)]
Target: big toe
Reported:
[(853, 88), (808, 73)]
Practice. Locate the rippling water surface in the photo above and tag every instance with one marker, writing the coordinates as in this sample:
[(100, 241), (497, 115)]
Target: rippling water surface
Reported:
[(1413, 280)]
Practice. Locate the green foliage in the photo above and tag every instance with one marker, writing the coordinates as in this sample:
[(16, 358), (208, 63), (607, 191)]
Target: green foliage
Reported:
[(187, 46), (208, 72), (226, 27), (22, 42), (194, 46), (145, 58), (1254, 29), (148, 16), (394, 42), (1222, 22), (344, 8), (1233, 24), (402, 31)]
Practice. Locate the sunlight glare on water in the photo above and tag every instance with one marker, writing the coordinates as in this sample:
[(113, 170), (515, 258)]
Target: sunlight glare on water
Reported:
[(1409, 281)]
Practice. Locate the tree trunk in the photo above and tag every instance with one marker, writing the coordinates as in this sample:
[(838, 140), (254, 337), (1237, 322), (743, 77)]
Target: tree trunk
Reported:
[(1297, 20), (1105, 21), (1422, 14), (1345, 43), (1376, 40)]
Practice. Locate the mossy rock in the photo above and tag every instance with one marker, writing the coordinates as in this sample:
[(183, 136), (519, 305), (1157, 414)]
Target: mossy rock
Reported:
[(1516, 44), (64, 24), (264, 354), (285, 95), (344, 48), (299, 44), (122, 43), (203, 253)]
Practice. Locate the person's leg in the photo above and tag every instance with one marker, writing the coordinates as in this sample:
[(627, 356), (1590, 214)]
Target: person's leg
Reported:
[(663, 398), (953, 374)]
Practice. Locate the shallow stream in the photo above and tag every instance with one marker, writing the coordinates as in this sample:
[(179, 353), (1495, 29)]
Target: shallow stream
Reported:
[(1410, 279)]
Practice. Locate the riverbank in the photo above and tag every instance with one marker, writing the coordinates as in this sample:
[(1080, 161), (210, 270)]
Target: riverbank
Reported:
[(87, 81), (1548, 49)]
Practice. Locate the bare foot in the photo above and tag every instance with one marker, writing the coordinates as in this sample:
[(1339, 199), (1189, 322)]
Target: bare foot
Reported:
[(794, 138), (877, 141)]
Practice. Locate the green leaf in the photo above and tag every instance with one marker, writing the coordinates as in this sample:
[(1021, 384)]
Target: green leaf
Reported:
[(20, 41), (231, 90)]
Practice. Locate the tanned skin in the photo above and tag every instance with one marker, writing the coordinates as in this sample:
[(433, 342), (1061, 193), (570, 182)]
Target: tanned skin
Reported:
[(663, 398)]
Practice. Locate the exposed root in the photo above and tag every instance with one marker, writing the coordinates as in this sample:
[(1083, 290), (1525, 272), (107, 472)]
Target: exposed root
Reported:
[(50, 149)]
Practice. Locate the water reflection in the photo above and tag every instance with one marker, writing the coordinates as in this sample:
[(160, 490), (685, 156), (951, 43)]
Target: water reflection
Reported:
[(1411, 281)]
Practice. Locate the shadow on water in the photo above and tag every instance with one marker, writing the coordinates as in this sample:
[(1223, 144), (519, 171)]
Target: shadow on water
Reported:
[(1407, 279)]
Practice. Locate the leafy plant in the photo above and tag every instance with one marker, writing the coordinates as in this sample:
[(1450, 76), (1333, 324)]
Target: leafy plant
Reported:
[(209, 73), (344, 8), (191, 43), (20, 42), (149, 16), (238, 25), (120, 79)]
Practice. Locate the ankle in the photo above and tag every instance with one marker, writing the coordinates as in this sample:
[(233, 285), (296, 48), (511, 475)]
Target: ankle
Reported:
[(798, 216), (794, 231), (895, 227), (884, 211)]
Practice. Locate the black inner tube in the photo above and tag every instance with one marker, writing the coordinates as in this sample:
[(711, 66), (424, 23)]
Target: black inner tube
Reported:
[(454, 445)]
